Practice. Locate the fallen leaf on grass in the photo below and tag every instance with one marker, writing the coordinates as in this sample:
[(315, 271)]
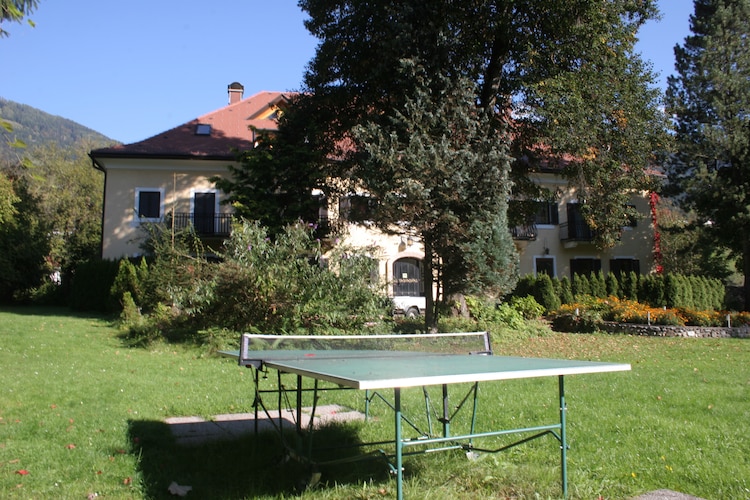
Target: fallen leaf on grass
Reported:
[(22, 472), (71, 446)]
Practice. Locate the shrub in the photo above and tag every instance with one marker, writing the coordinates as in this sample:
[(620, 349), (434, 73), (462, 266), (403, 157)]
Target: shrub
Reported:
[(528, 307), (92, 282), (571, 319), (613, 286), (699, 318), (629, 286), (581, 285), (598, 285), (566, 294), (126, 281), (545, 293)]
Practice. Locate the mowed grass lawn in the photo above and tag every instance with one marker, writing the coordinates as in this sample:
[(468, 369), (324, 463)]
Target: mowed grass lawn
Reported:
[(82, 415)]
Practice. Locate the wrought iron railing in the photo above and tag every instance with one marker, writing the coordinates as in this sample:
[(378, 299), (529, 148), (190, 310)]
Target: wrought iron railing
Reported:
[(576, 231), (524, 232), (204, 225)]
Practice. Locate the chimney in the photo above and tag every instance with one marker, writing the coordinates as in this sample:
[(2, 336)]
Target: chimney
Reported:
[(235, 91)]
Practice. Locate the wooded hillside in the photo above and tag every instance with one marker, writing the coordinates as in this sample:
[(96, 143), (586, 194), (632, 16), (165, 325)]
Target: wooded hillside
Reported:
[(34, 127)]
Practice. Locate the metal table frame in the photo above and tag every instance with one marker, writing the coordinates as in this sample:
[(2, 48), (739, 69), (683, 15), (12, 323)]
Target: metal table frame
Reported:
[(427, 441)]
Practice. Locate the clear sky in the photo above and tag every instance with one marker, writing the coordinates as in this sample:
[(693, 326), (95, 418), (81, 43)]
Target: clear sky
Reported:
[(131, 70)]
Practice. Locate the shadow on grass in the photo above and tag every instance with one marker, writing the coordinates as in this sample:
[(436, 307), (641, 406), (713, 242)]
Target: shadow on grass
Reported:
[(248, 466), (50, 311)]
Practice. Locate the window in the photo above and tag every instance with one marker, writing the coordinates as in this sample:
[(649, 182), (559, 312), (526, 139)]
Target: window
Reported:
[(357, 208), (148, 205), (585, 266), (624, 265), (544, 265), (546, 213), (203, 129), (576, 227)]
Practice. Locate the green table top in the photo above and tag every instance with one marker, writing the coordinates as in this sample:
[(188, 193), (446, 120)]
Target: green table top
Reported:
[(375, 369)]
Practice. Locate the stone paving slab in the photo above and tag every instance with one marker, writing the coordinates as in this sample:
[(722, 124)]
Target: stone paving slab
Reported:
[(665, 495), (196, 430)]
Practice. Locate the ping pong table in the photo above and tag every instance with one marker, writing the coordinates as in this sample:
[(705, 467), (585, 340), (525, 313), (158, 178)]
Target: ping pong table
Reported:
[(388, 368)]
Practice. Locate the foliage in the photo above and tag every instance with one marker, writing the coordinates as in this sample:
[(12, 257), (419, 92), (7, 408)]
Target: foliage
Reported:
[(486, 312), (449, 188), (274, 285), (91, 286), (61, 196), (274, 180), (15, 11), (586, 315), (564, 73), (8, 199), (528, 307), (24, 247), (687, 246), (566, 291), (709, 98), (284, 285)]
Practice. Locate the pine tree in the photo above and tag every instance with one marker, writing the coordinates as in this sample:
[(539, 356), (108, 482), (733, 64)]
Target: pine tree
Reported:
[(710, 100)]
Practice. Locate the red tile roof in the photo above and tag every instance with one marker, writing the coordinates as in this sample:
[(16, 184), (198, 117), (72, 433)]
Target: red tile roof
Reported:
[(230, 130)]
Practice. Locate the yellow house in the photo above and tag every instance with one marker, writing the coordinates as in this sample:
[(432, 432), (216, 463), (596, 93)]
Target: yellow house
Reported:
[(558, 242), (166, 178)]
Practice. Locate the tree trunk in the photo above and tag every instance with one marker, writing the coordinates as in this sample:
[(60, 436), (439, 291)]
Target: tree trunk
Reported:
[(746, 270), (430, 313)]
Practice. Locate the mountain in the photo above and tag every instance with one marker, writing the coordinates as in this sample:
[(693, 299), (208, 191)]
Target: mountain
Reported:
[(35, 127)]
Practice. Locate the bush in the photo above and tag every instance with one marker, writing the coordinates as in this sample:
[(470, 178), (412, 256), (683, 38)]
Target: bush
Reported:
[(91, 285), (566, 294), (486, 313), (281, 285), (545, 293), (528, 307)]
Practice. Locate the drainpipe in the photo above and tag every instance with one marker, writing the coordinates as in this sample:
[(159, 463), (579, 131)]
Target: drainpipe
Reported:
[(99, 167)]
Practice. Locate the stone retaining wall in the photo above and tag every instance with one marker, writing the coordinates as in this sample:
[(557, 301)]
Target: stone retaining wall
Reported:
[(677, 331)]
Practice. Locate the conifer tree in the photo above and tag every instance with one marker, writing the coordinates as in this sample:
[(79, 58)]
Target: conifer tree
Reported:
[(709, 98)]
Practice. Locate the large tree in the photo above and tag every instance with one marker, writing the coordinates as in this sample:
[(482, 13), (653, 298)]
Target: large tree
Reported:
[(439, 169), (709, 98), (558, 83), (564, 74)]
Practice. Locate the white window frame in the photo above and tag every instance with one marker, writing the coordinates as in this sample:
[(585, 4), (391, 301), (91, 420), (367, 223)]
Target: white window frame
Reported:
[(138, 220)]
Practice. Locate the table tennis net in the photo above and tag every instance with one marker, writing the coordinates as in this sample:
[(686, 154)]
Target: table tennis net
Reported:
[(438, 343)]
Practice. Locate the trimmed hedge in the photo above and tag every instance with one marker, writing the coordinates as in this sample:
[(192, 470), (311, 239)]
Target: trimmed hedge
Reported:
[(674, 291)]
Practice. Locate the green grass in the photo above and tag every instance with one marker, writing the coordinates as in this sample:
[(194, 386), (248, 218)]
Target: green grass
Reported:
[(83, 413)]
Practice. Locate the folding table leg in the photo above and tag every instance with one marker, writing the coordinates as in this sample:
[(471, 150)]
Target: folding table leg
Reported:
[(563, 439), (399, 444)]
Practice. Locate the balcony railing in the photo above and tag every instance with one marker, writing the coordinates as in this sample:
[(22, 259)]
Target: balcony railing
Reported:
[(204, 225), (576, 231), (526, 232)]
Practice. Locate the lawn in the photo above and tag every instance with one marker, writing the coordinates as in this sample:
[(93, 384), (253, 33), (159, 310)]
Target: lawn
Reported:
[(82, 414)]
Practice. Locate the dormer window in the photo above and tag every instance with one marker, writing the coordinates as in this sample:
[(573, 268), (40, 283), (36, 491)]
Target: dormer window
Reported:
[(203, 129)]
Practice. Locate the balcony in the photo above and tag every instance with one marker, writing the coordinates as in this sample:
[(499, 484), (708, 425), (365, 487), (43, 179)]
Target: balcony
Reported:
[(526, 232), (576, 232), (204, 225)]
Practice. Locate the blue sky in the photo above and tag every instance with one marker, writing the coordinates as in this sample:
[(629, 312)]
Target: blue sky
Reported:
[(133, 69)]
